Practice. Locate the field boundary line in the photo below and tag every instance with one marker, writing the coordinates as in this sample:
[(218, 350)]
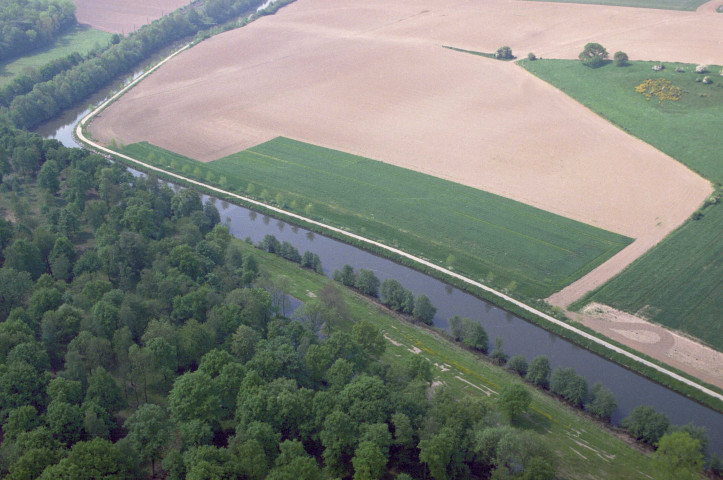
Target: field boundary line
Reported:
[(81, 136)]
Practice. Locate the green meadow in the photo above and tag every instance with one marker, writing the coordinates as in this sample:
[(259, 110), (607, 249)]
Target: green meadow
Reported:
[(507, 244), (80, 39), (680, 282), (689, 5)]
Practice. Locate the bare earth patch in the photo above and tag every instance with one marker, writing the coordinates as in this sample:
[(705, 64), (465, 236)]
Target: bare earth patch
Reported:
[(372, 79), (656, 341), (123, 16)]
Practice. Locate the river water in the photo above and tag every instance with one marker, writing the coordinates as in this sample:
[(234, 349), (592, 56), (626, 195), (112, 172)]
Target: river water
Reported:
[(519, 336)]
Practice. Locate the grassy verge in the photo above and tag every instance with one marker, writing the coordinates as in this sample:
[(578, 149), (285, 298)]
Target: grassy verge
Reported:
[(687, 5), (584, 448), (504, 243), (80, 39), (678, 283)]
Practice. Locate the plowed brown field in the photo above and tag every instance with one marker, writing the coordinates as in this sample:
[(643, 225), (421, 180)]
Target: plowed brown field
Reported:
[(123, 16), (371, 78)]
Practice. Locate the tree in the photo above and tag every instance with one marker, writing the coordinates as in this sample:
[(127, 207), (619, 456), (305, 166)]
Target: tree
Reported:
[(345, 276), (424, 311), (679, 456), (369, 337), (103, 390), (396, 297), (646, 424), (518, 364), (97, 458), (367, 283), (593, 55), (148, 432), (602, 402), (569, 385), (419, 367), (504, 53), (498, 355), (621, 59), (437, 453), (65, 421), (538, 372), (514, 399), (368, 461)]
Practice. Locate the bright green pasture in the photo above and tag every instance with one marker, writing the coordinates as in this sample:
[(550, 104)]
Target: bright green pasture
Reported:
[(583, 448), (680, 282), (689, 5), (80, 39), (687, 130), (506, 243)]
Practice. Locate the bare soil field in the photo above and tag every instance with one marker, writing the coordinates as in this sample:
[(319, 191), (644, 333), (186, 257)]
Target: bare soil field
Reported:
[(372, 79), (673, 348), (124, 16)]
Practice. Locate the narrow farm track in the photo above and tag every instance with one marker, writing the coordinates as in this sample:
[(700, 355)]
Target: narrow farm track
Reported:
[(81, 136)]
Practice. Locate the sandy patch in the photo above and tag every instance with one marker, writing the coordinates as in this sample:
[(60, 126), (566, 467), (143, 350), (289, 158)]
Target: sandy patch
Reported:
[(392, 341), (124, 16), (670, 347), (415, 350)]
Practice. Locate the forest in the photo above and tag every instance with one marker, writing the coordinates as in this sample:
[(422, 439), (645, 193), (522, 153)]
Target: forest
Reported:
[(137, 336)]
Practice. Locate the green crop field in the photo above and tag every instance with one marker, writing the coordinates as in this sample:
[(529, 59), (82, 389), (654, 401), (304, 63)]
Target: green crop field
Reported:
[(689, 5), (505, 243), (80, 39), (680, 282)]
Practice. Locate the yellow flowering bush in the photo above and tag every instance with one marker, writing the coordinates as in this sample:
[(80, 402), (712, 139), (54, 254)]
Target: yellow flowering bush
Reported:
[(661, 89)]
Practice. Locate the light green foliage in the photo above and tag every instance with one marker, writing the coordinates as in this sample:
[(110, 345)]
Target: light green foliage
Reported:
[(94, 459), (514, 400), (368, 461), (395, 204), (679, 456)]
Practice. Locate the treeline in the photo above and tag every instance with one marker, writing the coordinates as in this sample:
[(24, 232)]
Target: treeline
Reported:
[(393, 294), (68, 87), (24, 83), (26, 25)]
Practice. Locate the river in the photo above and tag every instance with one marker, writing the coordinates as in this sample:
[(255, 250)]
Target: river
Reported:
[(519, 336)]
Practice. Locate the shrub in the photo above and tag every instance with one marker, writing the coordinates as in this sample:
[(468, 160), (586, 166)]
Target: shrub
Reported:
[(518, 364), (531, 56), (504, 53), (538, 371), (707, 80), (661, 89), (658, 67), (701, 69), (621, 59), (680, 69), (593, 55), (646, 424)]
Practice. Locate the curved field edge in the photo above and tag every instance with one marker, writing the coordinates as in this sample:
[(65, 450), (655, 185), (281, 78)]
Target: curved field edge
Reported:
[(605, 452), (669, 377), (678, 282), (681, 382), (514, 247)]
